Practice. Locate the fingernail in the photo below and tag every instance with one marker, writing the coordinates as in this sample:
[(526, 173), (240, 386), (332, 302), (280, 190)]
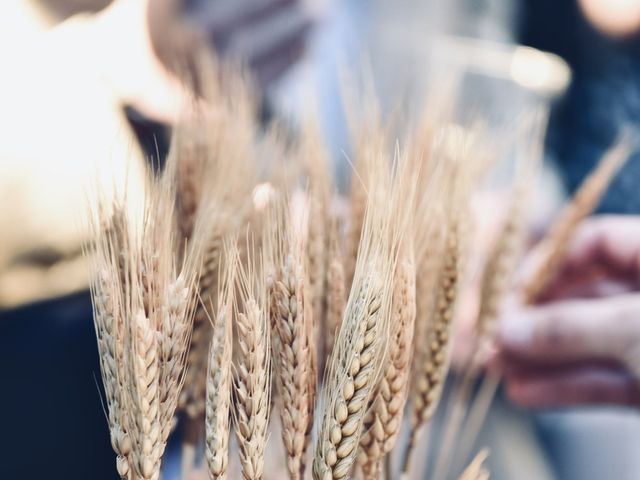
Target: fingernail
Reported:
[(516, 330)]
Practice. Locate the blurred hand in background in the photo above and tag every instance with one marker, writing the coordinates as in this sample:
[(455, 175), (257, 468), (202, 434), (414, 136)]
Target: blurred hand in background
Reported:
[(581, 343)]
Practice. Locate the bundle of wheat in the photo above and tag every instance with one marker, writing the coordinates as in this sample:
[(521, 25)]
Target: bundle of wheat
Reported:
[(221, 285)]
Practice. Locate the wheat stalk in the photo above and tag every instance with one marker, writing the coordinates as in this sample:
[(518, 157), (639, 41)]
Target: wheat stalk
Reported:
[(554, 245)]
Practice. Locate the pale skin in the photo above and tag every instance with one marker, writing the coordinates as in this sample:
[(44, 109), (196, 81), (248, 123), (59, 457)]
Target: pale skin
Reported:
[(580, 344), (145, 38)]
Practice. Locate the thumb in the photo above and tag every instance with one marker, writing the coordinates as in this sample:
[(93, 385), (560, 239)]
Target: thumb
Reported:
[(575, 330)]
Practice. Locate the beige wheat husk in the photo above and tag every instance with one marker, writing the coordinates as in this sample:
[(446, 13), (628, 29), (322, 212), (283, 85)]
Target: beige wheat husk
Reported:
[(336, 295), (219, 373), (433, 354), (384, 418), (144, 302), (359, 351), (499, 268), (292, 344), (213, 151), (252, 382)]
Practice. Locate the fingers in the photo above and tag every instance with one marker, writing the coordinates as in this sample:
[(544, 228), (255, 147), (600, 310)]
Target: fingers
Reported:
[(607, 244), (580, 386), (571, 331)]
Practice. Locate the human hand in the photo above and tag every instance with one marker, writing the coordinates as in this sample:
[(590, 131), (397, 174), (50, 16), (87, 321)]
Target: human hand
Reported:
[(581, 343)]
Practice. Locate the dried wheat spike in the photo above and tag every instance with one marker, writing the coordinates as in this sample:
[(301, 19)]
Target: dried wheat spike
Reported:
[(292, 362), (316, 158), (252, 380), (292, 332), (433, 361), (476, 470), (219, 375), (212, 164), (385, 416), (553, 247), (499, 269), (344, 416), (108, 314), (144, 401), (336, 290), (359, 351), (193, 396), (150, 308)]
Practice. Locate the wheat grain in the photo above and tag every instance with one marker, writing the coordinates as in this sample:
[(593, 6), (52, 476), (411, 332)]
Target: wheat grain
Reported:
[(292, 363), (143, 397), (385, 416)]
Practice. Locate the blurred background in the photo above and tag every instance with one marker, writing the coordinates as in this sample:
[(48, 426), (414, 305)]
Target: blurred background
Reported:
[(87, 92)]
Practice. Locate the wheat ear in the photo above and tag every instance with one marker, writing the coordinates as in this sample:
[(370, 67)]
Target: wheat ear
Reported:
[(292, 337), (252, 379), (221, 224), (335, 294), (433, 361), (554, 245), (143, 398), (219, 375), (359, 351), (385, 416), (292, 361), (108, 314)]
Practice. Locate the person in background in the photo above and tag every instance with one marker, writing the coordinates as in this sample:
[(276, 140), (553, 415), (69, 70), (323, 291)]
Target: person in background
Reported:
[(580, 345), (89, 99)]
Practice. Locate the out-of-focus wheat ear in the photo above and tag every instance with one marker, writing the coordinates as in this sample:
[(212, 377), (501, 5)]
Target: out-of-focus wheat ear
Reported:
[(219, 374), (210, 244), (432, 354), (369, 138), (504, 254), (253, 369), (476, 470), (552, 248), (319, 188), (433, 361), (336, 296), (187, 160), (384, 418)]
